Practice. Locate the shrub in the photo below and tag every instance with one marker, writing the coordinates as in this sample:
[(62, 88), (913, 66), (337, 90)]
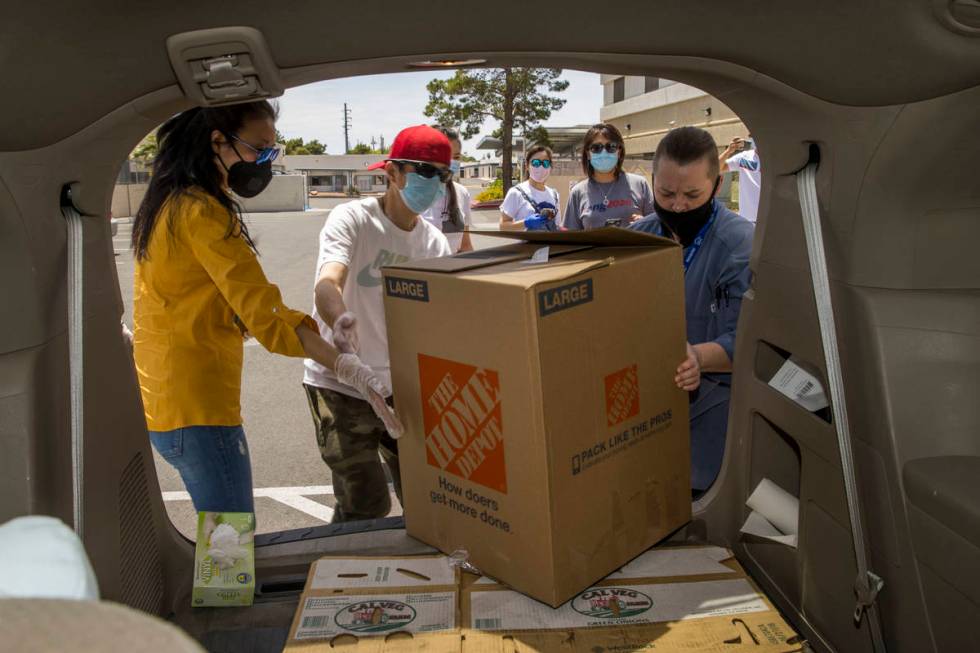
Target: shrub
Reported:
[(495, 191)]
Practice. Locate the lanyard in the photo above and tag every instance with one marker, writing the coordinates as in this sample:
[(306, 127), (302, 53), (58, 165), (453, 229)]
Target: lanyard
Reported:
[(692, 250)]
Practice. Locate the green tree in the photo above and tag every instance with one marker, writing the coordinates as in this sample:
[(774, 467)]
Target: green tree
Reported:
[(538, 136), (315, 147), (361, 148), (294, 145), (147, 148), (522, 97), (297, 146)]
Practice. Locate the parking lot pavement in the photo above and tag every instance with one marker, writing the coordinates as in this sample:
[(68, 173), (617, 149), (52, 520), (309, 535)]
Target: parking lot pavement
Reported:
[(293, 485)]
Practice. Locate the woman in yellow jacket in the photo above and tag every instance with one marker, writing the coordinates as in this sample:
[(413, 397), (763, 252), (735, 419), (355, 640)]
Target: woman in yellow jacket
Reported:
[(198, 287)]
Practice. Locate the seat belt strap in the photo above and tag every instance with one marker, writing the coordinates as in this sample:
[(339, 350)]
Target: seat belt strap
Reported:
[(868, 584), (75, 351)]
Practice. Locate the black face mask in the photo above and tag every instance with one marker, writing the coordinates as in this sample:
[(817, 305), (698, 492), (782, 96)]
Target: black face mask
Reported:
[(686, 224), (248, 178)]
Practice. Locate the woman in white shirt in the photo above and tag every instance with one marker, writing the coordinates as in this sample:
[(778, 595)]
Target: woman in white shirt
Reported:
[(450, 213), (531, 204)]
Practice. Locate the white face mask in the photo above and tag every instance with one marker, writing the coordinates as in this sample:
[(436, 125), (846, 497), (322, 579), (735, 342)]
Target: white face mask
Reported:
[(539, 174)]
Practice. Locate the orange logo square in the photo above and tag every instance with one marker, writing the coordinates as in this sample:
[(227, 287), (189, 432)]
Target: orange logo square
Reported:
[(461, 418), (622, 396)]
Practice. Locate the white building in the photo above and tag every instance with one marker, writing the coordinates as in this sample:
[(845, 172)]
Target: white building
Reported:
[(646, 108), (336, 173), (482, 170)]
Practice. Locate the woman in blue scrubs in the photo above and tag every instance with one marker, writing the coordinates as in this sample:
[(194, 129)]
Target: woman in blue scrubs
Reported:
[(717, 243)]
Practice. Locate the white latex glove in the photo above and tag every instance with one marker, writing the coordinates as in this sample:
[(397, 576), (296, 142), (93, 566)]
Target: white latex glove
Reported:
[(127, 335), (351, 371), (345, 333)]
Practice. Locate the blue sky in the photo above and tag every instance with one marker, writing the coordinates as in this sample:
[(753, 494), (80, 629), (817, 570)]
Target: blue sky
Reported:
[(384, 104)]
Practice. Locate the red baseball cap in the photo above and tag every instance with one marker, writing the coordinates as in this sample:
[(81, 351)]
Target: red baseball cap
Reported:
[(419, 143)]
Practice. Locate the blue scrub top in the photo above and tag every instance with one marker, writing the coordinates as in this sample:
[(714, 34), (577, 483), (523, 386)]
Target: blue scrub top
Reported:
[(713, 288)]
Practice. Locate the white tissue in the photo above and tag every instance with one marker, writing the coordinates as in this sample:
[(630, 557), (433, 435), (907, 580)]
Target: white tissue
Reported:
[(225, 547), (775, 514)]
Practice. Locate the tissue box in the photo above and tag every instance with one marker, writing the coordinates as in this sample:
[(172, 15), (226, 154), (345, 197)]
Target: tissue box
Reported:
[(224, 560)]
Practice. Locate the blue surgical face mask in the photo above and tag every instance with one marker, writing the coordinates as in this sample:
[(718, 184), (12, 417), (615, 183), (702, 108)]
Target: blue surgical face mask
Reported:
[(603, 161), (454, 166), (419, 193)]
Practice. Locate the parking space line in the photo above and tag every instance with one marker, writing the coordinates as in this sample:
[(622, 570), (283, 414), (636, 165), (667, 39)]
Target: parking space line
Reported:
[(308, 506), (294, 497), (272, 492)]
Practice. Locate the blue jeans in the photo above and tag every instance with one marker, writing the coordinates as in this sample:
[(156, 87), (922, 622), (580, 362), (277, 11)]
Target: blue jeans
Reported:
[(213, 461)]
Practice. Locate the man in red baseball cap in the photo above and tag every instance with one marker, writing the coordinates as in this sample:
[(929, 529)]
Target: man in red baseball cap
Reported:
[(358, 239)]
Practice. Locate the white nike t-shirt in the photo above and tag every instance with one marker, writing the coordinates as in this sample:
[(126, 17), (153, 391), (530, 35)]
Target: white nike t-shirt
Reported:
[(749, 182), (360, 236)]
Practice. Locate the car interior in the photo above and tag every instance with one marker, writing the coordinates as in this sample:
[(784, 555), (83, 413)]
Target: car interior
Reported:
[(869, 110)]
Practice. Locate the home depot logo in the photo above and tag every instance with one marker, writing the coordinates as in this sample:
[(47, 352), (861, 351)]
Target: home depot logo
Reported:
[(622, 396), (461, 419)]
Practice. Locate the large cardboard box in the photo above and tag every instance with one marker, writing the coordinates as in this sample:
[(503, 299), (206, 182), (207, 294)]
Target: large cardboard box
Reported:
[(544, 433), (673, 599)]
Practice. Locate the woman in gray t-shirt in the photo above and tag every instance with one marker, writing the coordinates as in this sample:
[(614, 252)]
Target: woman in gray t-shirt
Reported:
[(609, 197)]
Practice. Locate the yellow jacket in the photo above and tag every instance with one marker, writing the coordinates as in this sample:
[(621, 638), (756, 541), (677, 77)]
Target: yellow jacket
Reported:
[(186, 294)]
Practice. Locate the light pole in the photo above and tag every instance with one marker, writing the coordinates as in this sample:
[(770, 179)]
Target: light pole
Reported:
[(347, 121)]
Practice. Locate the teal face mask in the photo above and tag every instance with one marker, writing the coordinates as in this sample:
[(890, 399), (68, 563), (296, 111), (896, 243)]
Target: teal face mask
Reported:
[(419, 193), (454, 166), (603, 161)]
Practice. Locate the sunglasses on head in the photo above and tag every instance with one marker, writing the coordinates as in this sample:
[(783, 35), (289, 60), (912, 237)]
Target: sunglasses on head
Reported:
[(540, 163), (612, 148), (427, 170), (261, 155)]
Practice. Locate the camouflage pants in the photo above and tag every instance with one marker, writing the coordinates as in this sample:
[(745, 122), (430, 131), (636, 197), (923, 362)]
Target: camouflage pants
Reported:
[(350, 437)]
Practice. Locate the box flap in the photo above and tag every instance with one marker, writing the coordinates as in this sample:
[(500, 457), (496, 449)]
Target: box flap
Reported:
[(391, 572), (605, 237), (524, 274), (482, 258)]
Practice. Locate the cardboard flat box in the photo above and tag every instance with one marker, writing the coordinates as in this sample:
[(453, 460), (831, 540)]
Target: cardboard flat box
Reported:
[(673, 599), (224, 560), (544, 433), (375, 597)]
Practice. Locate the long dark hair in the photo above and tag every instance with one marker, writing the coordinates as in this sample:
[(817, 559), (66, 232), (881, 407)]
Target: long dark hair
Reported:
[(613, 135), (185, 163), (452, 203)]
